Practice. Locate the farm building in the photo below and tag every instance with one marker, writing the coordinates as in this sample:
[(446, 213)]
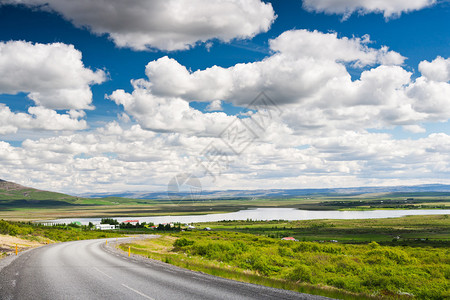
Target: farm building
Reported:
[(105, 227), (132, 222)]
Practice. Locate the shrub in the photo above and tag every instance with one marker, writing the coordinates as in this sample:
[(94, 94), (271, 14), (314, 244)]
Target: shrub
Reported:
[(182, 242), (301, 273)]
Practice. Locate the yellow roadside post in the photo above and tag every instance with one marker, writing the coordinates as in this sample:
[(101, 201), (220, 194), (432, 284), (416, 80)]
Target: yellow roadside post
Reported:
[(129, 251), (16, 250), (106, 242)]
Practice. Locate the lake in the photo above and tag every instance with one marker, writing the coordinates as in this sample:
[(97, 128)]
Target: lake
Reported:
[(269, 214)]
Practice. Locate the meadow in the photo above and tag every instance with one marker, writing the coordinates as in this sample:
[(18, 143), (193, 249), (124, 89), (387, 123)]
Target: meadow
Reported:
[(409, 230), (349, 269), (26, 204), (43, 206), (60, 233)]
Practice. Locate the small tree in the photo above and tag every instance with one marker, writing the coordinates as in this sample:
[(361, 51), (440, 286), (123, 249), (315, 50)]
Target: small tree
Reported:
[(109, 221)]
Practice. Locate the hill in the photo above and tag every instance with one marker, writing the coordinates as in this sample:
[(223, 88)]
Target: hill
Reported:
[(13, 194), (16, 196)]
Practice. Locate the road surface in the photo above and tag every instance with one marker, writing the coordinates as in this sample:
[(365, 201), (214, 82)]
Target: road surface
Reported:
[(92, 270)]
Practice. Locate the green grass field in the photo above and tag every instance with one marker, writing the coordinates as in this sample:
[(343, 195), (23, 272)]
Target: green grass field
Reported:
[(417, 230), (51, 207), (63, 233), (22, 203), (406, 268)]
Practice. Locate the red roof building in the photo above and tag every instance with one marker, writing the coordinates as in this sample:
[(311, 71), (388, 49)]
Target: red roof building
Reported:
[(132, 222)]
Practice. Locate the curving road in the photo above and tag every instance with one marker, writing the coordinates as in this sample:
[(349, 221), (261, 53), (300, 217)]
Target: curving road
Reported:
[(91, 270)]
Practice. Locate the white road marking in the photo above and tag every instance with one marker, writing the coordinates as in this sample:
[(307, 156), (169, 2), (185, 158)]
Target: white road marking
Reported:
[(98, 270), (137, 292)]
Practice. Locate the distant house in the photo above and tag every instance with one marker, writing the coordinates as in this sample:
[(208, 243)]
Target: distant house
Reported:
[(289, 238), (132, 222), (105, 227)]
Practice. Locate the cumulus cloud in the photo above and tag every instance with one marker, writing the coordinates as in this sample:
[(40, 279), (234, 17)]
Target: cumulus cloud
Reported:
[(39, 118), (437, 70), (164, 24), (302, 63), (215, 105), (388, 8), (307, 75), (168, 114), (328, 46), (53, 75), (117, 158)]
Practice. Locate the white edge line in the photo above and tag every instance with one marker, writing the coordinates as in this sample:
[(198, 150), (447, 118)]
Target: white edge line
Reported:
[(137, 292), (98, 270)]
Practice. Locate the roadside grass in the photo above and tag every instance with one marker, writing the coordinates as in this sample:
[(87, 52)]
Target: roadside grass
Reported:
[(421, 254), (329, 269), (162, 249)]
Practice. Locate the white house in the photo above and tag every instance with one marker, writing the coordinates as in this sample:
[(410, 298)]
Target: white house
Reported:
[(105, 226)]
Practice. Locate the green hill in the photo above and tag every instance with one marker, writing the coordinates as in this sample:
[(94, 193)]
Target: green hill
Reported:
[(13, 194)]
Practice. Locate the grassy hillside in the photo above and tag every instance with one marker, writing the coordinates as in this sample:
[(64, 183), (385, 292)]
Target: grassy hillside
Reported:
[(18, 195), (14, 195)]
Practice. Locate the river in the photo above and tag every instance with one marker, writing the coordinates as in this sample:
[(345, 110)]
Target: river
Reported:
[(269, 214)]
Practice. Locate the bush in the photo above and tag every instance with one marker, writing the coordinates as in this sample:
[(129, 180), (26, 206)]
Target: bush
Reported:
[(301, 273), (183, 242)]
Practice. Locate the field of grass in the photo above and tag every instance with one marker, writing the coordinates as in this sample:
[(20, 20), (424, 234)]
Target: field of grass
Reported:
[(22, 203), (410, 230), (114, 207), (332, 269), (63, 233)]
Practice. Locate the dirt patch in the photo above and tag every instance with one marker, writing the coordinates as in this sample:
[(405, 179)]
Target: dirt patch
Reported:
[(8, 244)]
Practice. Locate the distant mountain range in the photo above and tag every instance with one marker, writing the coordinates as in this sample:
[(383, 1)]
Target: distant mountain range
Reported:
[(438, 189), (14, 193)]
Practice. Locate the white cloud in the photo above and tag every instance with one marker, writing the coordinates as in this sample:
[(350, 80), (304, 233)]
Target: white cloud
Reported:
[(437, 70), (303, 63), (164, 24), (53, 75), (116, 158), (169, 114), (39, 118), (328, 46), (388, 8), (215, 105), (307, 76)]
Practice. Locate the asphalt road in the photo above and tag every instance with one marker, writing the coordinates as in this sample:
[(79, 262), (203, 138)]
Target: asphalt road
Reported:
[(91, 270)]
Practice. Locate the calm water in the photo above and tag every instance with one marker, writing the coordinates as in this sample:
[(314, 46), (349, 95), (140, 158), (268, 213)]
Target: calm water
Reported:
[(271, 214)]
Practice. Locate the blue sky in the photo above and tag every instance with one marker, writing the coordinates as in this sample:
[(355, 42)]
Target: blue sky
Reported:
[(361, 93)]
